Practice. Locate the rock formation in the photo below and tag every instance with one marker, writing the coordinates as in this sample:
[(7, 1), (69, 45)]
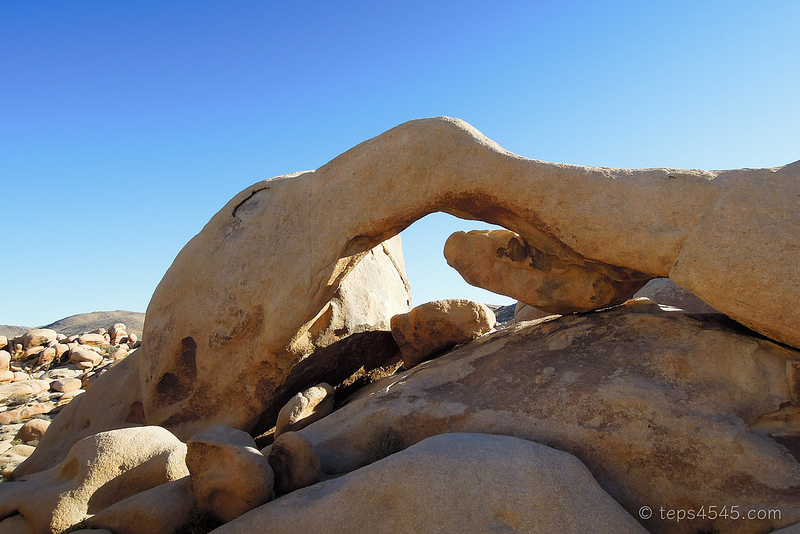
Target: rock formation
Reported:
[(661, 290), (37, 337), (503, 262), (662, 407), (32, 431), (437, 326), (304, 408), (229, 476), (46, 387), (294, 463), (666, 292), (363, 306), (246, 317), (591, 217), (442, 485), (526, 312), (294, 282), (164, 508), (98, 472)]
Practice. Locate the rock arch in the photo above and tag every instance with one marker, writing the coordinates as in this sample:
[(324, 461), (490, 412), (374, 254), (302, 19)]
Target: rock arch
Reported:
[(263, 267)]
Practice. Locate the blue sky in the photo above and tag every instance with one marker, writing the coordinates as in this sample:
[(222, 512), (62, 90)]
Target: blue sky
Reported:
[(124, 126)]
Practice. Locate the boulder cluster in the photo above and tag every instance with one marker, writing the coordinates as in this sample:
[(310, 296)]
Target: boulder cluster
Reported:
[(40, 372), (649, 381)]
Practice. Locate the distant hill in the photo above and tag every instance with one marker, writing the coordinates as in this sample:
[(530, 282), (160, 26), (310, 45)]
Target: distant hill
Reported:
[(86, 322), (12, 331)]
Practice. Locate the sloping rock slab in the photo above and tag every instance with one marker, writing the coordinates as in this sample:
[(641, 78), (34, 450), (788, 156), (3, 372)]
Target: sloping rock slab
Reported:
[(450, 483)]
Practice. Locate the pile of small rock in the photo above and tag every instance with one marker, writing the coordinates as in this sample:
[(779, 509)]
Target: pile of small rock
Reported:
[(40, 372)]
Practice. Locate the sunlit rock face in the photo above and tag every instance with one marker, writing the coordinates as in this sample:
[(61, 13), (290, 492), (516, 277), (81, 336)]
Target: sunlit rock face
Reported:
[(503, 262)]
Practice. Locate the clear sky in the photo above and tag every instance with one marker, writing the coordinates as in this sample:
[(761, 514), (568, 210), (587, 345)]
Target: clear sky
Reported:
[(124, 126)]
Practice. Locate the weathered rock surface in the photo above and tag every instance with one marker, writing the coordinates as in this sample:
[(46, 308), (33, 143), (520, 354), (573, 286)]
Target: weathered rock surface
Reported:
[(437, 326), (12, 456), (32, 431), (442, 485), (99, 471), (113, 402), (229, 476), (80, 355), (23, 413), (66, 385), (665, 291), (294, 463), (690, 418), (32, 352), (794, 529), (661, 290), (49, 364), (164, 508), (526, 312), (96, 340), (304, 408), (26, 387), (66, 398), (182, 389), (47, 356), (37, 337), (503, 314), (504, 262), (117, 332), (656, 404)]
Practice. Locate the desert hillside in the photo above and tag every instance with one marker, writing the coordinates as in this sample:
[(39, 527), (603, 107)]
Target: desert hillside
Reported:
[(84, 322)]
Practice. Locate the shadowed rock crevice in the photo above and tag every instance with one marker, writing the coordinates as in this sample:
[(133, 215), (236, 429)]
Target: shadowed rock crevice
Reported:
[(360, 351), (249, 205)]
